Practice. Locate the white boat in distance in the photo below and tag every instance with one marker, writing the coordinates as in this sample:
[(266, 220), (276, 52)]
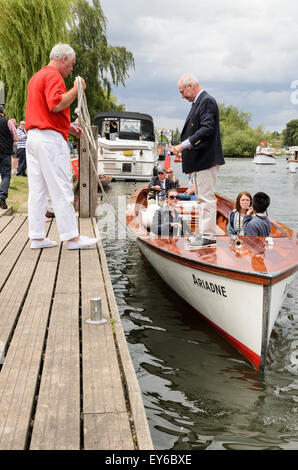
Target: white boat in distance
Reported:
[(264, 156), (238, 285), (129, 152)]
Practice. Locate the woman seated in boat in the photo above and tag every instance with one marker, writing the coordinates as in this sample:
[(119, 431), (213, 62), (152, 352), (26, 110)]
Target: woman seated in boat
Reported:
[(167, 222), (171, 181), (256, 221), (189, 194), (236, 217)]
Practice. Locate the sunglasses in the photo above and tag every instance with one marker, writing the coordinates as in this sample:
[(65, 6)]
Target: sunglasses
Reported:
[(169, 172), (174, 197), (160, 173)]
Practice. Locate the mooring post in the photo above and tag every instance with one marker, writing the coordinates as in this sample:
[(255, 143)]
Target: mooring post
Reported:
[(88, 186)]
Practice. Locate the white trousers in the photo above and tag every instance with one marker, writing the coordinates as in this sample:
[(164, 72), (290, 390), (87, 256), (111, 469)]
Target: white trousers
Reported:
[(205, 182), (49, 175)]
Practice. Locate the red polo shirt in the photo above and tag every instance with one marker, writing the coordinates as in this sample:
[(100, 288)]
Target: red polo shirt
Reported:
[(45, 90)]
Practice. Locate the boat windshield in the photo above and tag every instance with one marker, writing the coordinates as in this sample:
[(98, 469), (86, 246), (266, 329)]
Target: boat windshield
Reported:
[(130, 125), (125, 125)]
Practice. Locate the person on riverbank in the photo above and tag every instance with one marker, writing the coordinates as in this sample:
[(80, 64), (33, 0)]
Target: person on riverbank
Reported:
[(201, 153), (236, 216), (256, 221), (21, 149), (48, 159), (8, 135)]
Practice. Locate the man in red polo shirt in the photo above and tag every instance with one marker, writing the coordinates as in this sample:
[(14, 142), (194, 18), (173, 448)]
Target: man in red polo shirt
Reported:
[(48, 160)]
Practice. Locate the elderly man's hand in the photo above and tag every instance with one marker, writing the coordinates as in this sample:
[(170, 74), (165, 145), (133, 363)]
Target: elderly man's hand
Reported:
[(177, 149)]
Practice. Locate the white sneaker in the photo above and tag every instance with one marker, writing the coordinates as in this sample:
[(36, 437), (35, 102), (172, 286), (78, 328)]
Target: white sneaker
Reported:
[(45, 243), (83, 242)]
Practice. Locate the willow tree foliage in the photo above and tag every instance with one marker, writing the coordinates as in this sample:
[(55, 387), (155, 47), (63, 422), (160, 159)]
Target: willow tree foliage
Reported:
[(100, 64), (28, 31)]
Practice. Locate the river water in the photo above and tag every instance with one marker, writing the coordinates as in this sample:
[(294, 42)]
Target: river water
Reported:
[(197, 390)]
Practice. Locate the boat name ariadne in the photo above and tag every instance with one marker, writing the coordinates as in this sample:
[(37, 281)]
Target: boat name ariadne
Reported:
[(215, 288)]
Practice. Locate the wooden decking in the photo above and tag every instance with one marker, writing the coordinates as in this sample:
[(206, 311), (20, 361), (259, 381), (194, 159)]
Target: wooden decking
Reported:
[(64, 384)]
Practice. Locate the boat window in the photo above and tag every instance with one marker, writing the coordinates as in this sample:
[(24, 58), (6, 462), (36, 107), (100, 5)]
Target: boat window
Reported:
[(130, 125)]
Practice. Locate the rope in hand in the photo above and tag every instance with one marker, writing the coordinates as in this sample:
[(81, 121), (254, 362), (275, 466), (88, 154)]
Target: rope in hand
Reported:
[(84, 121)]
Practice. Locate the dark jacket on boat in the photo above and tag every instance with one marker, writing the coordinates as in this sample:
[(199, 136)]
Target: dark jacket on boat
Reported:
[(162, 220), (259, 225), (168, 184), (202, 129)]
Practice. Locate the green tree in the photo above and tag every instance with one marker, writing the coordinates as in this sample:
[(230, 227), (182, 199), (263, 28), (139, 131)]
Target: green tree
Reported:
[(28, 31), (238, 138), (100, 64), (176, 137), (290, 133)]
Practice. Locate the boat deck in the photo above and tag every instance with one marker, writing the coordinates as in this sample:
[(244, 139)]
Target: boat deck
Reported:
[(64, 383)]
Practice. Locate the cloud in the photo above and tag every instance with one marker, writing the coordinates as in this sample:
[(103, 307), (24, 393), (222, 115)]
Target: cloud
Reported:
[(242, 53)]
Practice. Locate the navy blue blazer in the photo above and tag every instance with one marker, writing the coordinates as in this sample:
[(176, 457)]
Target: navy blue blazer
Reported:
[(202, 129)]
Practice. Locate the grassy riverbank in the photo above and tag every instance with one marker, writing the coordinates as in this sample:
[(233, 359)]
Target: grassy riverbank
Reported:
[(17, 193)]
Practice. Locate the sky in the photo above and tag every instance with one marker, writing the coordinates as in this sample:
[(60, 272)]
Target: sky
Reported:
[(243, 53)]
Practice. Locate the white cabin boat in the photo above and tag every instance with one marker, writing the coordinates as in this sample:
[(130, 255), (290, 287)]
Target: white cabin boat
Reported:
[(126, 145), (264, 156)]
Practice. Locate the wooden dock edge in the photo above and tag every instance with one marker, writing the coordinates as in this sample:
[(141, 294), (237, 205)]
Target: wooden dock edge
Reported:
[(129, 378)]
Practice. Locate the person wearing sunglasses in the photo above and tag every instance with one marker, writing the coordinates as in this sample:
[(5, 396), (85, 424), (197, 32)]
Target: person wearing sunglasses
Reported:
[(171, 180), (167, 221), (157, 186)]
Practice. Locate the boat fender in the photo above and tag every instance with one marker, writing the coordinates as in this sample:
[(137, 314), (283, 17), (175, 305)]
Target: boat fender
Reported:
[(147, 215)]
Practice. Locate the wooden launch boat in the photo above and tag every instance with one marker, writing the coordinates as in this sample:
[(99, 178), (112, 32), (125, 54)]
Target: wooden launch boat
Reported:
[(237, 286)]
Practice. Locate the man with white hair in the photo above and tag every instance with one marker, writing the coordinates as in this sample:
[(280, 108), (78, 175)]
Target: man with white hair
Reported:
[(201, 154), (48, 160)]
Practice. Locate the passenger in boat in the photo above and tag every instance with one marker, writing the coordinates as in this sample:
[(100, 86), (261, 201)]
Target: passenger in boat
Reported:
[(236, 217), (157, 186), (171, 181), (202, 153), (167, 222), (189, 194), (256, 221)]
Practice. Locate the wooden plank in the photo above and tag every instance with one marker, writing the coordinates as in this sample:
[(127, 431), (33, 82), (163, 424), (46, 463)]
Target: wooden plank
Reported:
[(14, 291), (107, 431), (103, 396), (142, 431), (10, 231), (16, 237), (57, 417), (4, 221), (19, 374)]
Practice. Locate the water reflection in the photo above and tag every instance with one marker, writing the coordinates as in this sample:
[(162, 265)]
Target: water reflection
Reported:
[(198, 392)]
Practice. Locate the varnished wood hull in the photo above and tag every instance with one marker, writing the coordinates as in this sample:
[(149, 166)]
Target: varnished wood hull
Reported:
[(238, 290)]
